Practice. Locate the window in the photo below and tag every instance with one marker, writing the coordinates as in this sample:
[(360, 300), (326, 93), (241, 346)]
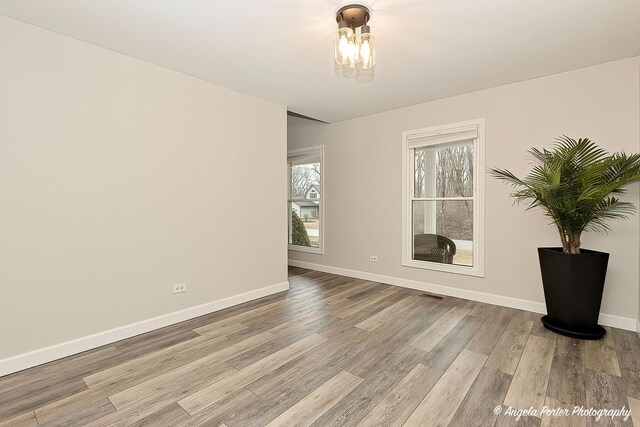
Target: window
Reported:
[(305, 212), (443, 182)]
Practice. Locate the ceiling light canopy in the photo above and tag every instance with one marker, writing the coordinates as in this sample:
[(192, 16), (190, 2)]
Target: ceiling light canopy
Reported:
[(354, 44)]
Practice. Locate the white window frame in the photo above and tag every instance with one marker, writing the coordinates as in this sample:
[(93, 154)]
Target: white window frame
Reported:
[(297, 152), (478, 196)]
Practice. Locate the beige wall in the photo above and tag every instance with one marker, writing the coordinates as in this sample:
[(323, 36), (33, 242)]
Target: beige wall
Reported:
[(118, 179), (363, 179)]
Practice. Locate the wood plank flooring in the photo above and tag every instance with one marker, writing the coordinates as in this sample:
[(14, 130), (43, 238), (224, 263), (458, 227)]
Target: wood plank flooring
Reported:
[(335, 351)]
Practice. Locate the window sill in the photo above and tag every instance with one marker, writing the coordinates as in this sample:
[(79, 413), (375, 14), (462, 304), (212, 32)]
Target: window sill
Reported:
[(307, 249), (447, 268)]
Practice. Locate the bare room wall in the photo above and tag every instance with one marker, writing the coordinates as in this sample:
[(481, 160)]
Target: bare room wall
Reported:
[(119, 179)]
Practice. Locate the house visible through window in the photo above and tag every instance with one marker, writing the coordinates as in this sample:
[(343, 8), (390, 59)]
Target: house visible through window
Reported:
[(305, 199), (442, 219)]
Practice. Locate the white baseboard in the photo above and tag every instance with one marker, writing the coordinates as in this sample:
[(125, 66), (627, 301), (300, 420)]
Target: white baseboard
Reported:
[(58, 351), (521, 304)]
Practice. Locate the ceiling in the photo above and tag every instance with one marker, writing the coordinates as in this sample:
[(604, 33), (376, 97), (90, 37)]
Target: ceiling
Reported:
[(281, 50)]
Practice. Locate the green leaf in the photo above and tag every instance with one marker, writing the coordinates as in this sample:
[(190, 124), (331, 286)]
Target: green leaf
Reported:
[(574, 183)]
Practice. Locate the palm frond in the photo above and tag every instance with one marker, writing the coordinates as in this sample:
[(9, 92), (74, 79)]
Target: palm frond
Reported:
[(574, 183)]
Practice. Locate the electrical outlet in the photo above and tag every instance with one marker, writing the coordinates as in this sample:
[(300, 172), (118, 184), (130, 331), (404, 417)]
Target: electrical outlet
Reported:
[(373, 258), (179, 288)]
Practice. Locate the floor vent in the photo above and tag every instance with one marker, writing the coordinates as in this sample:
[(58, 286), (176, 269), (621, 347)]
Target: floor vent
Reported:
[(431, 296)]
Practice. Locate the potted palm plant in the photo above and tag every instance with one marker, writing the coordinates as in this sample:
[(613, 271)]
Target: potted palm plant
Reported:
[(576, 184)]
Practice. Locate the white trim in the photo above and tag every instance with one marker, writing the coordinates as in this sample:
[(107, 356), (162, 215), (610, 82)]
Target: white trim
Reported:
[(626, 323), (78, 345), (447, 268), (323, 190), (448, 135), (451, 128), (638, 326), (309, 249), (478, 197), (435, 199)]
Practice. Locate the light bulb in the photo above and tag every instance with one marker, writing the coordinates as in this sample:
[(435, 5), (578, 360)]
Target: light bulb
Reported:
[(343, 44), (343, 47), (342, 40), (365, 51), (366, 59), (353, 50)]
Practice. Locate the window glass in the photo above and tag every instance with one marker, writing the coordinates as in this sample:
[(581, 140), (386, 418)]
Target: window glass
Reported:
[(443, 231), (442, 199), (305, 187), (444, 170)]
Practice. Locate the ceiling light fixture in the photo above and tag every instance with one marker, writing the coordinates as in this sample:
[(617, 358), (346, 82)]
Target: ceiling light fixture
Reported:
[(353, 48)]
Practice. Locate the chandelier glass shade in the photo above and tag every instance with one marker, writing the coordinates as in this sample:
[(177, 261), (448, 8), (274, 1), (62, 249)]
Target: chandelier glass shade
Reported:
[(354, 44)]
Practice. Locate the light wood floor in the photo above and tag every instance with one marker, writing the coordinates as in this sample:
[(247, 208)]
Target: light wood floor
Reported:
[(334, 351)]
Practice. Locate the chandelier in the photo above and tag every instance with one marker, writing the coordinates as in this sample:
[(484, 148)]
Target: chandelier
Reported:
[(353, 46)]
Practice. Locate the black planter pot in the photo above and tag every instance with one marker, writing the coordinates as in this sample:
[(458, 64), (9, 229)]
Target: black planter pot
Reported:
[(573, 286)]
